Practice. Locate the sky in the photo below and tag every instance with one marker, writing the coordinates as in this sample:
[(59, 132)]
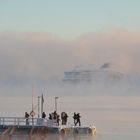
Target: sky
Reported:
[(69, 19), (40, 39)]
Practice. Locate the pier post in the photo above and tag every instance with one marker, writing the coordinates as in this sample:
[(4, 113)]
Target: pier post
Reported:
[(56, 104), (39, 106)]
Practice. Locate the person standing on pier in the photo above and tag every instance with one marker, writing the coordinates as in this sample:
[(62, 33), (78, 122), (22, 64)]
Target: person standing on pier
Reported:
[(78, 119), (43, 115), (64, 118), (27, 116), (74, 117)]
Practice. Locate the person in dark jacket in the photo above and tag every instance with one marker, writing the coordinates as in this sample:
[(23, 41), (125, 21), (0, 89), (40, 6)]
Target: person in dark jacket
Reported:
[(26, 117), (50, 117), (43, 115), (74, 117), (64, 118), (78, 119)]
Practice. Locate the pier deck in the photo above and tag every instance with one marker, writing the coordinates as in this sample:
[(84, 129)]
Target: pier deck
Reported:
[(11, 125)]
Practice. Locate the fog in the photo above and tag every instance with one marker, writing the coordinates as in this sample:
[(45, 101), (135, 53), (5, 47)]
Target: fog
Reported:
[(40, 59)]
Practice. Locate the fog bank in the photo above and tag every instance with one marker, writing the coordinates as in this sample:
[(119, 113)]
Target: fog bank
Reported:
[(42, 58)]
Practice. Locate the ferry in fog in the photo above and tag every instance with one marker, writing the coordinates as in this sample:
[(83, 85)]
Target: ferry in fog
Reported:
[(79, 75)]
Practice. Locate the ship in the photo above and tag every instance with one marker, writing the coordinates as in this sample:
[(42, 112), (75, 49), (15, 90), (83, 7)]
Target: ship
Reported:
[(80, 75)]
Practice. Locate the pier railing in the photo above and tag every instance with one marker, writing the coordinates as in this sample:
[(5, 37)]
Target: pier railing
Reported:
[(20, 121)]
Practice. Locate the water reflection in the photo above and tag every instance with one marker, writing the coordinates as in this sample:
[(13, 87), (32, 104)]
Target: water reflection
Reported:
[(48, 137)]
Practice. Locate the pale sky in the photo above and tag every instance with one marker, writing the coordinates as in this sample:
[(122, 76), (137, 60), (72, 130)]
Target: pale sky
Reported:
[(69, 18)]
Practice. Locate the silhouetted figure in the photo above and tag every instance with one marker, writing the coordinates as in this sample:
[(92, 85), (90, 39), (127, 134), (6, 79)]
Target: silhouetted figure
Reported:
[(26, 117), (64, 117), (43, 115), (50, 116), (78, 119), (58, 119), (55, 115), (74, 117)]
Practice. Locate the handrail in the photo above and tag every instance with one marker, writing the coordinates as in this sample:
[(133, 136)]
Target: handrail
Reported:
[(21, 121)]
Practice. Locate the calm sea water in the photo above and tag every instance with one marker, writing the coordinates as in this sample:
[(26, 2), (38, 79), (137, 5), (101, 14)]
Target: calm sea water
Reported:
[(116, 118)]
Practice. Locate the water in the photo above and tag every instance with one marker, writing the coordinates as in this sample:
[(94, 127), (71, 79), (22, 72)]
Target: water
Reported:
[(115, 117)]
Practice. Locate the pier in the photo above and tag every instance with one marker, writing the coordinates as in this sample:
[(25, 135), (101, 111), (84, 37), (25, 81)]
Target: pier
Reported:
[(18, 125)]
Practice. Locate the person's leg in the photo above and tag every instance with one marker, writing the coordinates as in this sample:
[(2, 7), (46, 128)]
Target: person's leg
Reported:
[(79, 123)]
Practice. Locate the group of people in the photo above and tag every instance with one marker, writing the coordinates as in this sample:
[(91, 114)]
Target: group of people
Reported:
[(56, 118)]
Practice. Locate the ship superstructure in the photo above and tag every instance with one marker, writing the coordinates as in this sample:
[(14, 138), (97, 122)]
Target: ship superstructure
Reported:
[(85, 75)]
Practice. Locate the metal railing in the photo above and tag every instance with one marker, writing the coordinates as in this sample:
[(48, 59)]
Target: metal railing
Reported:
[(20, 121)]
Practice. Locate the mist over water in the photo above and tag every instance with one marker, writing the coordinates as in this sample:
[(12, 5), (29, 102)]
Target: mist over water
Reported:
[(41, 57)]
